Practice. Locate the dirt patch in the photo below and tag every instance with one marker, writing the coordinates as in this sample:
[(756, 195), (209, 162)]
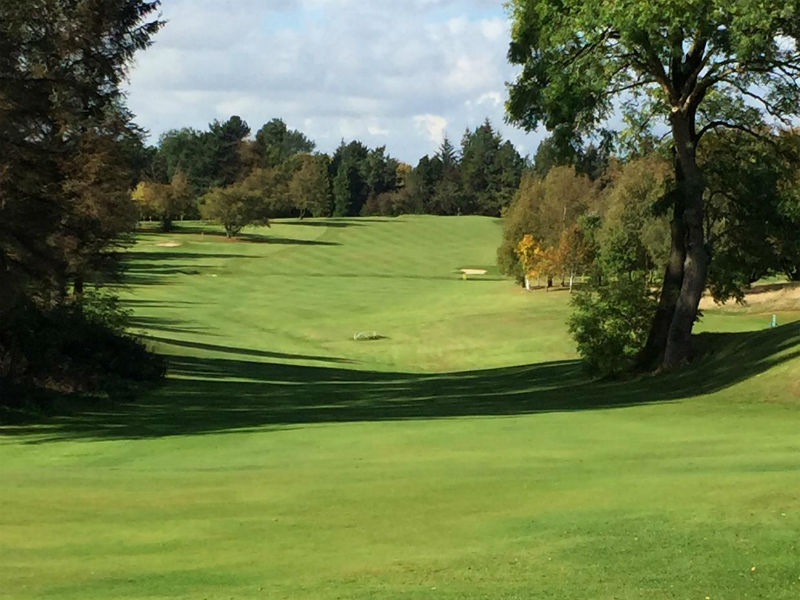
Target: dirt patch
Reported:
[(169, 244), (767, 297)]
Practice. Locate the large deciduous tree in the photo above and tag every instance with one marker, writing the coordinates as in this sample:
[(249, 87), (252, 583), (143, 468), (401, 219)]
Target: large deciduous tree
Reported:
[(310, 187), (697, 64)]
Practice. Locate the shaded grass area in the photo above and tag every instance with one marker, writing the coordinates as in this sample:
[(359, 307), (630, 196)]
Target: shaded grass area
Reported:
[(208, 395)]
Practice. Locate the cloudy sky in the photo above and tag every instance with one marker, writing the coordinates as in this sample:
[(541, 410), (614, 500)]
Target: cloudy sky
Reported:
[(399, 73)]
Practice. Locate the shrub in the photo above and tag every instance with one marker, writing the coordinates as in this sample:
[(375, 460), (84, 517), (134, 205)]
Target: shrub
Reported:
[(78, 347), (610, 323)]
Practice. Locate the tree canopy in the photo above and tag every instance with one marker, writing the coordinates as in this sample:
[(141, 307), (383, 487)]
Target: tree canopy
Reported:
[(695, 66)]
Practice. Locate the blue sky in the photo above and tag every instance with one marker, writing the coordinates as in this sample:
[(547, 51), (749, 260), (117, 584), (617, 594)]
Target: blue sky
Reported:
[(395, 73)]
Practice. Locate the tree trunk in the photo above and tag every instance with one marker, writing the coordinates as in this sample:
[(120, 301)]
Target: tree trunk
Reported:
[(695, 266), (653, 352), (77, 288)]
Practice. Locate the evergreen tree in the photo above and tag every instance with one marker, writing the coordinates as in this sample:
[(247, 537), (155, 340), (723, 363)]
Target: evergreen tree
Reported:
[(447, 194), (275, 143), (348, 168), (61, 123), (380, 172), (66, 143), (223, 142)]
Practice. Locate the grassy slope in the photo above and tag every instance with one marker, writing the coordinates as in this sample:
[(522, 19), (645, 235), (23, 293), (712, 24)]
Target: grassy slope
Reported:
[(284, 460), (307, 288)]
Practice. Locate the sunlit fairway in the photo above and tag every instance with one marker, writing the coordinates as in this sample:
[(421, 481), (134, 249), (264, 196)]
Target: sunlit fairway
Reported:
[(461, 455)]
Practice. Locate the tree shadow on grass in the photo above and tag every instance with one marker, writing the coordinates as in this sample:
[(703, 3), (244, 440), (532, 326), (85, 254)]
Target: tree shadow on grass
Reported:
[(335, 223), (158, 268), (131, 259), (339, 222), (215, 395), (245, 237), (241, 351), (162, 324), (146, 303)]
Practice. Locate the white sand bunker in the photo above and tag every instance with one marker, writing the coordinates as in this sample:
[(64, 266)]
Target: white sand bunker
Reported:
[(473, 271), (169, 244)]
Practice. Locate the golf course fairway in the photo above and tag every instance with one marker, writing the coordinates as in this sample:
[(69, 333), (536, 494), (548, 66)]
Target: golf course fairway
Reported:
[(460, 454)]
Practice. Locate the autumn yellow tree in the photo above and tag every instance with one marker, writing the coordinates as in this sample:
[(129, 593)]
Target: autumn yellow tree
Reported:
[(572, 256), (164, 201), (537, 262)]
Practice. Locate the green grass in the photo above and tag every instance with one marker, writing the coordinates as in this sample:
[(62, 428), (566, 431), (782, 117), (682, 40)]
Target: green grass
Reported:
[(461, 456)]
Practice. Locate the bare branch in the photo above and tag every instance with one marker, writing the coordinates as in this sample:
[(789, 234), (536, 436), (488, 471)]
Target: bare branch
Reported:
[(736, 126)]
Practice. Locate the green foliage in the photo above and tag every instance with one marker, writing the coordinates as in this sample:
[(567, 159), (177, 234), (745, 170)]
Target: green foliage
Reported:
[(694, 67), (610, 323), (348, 169), (633, 236), (310, 187), (519, 219), (577, 58), (78, 347), (275, 143), (207, 158), (164, 202), (185, 150), (544, 208), (752, 211), (223, 141), (348, 189), (380, 171), (490, 171), (234, 207), (68, 153)]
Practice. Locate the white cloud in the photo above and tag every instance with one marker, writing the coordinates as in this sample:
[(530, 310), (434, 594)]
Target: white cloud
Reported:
[(333, 68), (493, 29), (433, 126), (377, 130)]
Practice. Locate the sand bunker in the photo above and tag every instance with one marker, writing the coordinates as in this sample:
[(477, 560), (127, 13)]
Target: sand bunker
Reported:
[(169, 244), (473, 271), (768, 297)]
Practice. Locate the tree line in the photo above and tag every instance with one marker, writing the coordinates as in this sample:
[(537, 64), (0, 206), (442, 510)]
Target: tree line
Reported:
[(68, 146), (225, 174)]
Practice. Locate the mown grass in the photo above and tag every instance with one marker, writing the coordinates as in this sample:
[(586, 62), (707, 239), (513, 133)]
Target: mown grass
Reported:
[(464, 455)]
